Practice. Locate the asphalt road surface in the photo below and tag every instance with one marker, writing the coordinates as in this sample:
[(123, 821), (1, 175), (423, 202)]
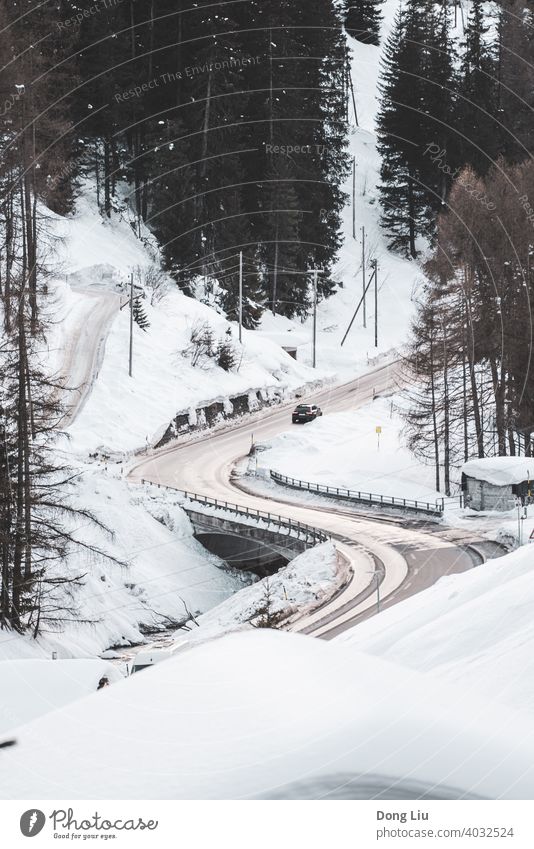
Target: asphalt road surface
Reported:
[(402, 556)]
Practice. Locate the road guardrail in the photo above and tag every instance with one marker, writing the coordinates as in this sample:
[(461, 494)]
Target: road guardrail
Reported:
[(425, 508), (307, 534)]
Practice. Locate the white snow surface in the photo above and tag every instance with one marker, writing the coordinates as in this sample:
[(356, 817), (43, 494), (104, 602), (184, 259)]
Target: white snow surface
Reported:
[(474, 630), (31, 688), (501, 471), (250, 712)]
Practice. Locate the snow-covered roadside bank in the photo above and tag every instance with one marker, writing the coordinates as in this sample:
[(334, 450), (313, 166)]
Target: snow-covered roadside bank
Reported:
[(124, 414), (305, 584), (171, 375)]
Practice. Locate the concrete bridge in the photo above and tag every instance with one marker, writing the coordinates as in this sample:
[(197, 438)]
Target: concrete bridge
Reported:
[(261, 550)]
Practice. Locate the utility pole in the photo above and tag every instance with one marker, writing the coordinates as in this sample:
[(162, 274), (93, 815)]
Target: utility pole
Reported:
[(240, 296), (130, 303), (352, 93), (357, 310), (374, 266), (363, 278), (315, 275), (130, 369), (353, 197)]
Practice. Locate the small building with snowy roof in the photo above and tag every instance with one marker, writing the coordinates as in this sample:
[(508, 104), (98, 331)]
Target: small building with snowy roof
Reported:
[(495, 483), (288, 340)]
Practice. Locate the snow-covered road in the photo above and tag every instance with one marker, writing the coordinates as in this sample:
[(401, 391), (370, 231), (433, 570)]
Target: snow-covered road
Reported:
[(89, 323), (413, 556)]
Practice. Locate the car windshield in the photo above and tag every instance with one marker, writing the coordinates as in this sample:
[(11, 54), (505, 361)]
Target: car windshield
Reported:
[(303, 408)]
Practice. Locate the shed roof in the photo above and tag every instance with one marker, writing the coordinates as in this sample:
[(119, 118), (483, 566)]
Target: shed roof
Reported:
[(287, 339), (500, 471)]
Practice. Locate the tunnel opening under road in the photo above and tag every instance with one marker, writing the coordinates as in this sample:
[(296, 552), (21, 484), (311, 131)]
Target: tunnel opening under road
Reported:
[(250, 555)]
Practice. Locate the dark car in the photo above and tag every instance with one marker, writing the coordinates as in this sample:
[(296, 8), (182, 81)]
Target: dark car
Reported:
[(306, 413)]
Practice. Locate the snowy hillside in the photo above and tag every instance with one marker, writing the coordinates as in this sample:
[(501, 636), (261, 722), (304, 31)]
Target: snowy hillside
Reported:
[(305, 583), (162, 575), (121, 414)]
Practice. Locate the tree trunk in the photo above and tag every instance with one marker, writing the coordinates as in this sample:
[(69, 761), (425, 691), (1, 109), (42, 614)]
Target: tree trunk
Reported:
[(411, 219), (107, 177), (498, 394), (434, 415)]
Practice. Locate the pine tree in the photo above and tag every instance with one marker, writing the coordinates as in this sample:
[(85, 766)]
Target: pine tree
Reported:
[(402, 194), (439, 106), (477, 113), (139, 314), (288, 290), (415, 116), (363, 19), (516, 79)]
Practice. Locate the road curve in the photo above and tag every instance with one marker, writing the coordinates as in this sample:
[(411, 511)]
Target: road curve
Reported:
[(408, 556)]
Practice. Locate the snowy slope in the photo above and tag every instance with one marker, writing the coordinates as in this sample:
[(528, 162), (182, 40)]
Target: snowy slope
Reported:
[(474, 630), (31, 688), (93, 259), (124, 413), (249, 713)]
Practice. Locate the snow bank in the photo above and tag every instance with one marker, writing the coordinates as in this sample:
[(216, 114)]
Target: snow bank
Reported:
[(251, 712), (31, 688), (304, 583), (474, 629)]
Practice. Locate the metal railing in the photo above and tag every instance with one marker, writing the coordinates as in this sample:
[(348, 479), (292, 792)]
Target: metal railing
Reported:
[(424, 507), (299, 530)]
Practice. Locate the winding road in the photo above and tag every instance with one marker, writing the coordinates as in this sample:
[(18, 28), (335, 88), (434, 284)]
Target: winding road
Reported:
[(404, 555)]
